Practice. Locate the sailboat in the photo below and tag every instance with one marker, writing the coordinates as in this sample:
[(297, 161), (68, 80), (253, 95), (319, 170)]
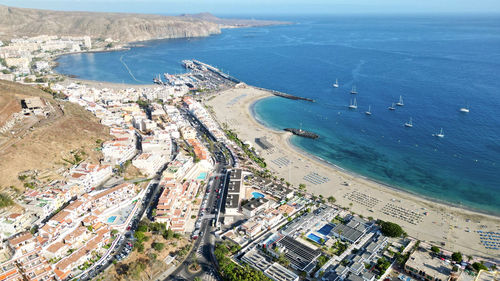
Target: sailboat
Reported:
[(353, 90), (353, 105), (369, 112), (400, 102), (392, 107), (464, 109), (409, 124), (440, 134), (336, 84)]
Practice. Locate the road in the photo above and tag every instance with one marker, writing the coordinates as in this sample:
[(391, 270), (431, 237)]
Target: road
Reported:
[(203, 247), (145, 208)]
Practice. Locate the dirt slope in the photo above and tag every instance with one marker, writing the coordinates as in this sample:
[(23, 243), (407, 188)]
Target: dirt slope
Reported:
[(42, 145)]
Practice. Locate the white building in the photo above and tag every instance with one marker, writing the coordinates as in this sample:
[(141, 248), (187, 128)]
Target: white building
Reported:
[(149, 163), (89, 175)]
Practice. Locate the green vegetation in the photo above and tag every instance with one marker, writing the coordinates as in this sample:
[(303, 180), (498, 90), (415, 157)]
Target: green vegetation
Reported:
[(77, 157), (158, 246), (331, 199), (143, 104), (55, 94), (183, 251), (5, 200), (231, 271), (250, 153), (435, 250), (479, 266), (382, 265), (391, 229), (321, 261), (120, 169), (338, 248), (34, 229), (136, 269), (457, 257), (283, 260), (139, 246)]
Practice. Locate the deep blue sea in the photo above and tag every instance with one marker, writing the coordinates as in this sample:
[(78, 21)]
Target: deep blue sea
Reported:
[(437, 63)]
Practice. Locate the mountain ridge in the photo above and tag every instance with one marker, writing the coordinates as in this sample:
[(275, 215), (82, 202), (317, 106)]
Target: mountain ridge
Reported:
[(124, 27)]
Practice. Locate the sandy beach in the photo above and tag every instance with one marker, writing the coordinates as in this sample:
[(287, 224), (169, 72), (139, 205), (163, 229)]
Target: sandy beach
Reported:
[(421, 218)]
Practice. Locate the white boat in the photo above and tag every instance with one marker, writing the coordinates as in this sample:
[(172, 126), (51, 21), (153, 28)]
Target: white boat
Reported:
[(409, 124), (369, 112), (440, 134), (353, 90), (336, 84), (392, 107), (464, 109), (400, 102), (353, 105)]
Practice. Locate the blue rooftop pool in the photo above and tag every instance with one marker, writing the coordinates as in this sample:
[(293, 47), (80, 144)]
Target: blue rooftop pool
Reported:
[(202, 176), (314, 238), (111, 219), (258, 195)]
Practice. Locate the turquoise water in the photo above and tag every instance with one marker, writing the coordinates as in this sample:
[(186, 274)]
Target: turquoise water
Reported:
[(258, 195), (438, 64), (111, 219), (314, 238), (202, 176)]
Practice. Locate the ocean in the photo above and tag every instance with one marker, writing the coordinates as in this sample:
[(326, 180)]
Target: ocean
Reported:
[(438, 64)]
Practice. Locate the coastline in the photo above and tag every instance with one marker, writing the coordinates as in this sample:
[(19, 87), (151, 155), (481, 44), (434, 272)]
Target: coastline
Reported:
[(457, 224)]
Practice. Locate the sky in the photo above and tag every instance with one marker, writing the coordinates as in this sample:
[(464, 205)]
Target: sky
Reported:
[(266, 7)]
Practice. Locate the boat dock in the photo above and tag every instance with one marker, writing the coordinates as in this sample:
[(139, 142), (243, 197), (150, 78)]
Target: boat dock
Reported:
[(205, 76)]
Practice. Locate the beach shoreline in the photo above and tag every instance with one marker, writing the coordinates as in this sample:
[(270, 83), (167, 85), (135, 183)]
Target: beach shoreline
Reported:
[(354, 174), (457, 223)]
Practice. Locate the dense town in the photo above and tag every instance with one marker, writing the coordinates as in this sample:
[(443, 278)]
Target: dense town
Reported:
[(192, 177)]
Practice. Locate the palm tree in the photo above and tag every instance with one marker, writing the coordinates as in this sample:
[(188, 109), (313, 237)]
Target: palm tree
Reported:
[(331, 199)]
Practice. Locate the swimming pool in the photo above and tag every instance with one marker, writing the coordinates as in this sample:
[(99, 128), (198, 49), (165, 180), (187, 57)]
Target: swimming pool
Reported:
[(325, 230), (258, 195), (111, 219), (202, 176), (314, 238)]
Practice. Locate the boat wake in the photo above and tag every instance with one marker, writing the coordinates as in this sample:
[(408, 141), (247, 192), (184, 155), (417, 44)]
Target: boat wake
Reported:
[(129, 71)]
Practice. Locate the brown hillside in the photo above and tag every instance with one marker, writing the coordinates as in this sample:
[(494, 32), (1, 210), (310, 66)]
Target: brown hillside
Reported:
[(125, 27), (42, 145)]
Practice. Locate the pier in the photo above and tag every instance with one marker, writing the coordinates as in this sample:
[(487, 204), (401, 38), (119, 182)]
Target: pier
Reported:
[(302, 133)]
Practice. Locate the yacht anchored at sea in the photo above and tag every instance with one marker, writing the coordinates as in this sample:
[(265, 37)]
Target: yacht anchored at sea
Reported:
[(440, 134), (336, 84), (400, 102), (353, 105)]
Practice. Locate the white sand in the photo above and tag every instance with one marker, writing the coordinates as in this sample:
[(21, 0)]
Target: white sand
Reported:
[(443, 223)]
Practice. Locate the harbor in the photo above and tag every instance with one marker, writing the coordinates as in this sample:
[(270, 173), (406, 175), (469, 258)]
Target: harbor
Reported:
[(204, 77)]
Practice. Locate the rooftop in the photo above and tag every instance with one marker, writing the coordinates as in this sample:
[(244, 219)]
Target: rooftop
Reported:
[(235, 174), (299, 254), (234, 187), (421, 260), (255, 203)]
